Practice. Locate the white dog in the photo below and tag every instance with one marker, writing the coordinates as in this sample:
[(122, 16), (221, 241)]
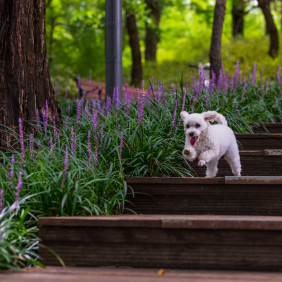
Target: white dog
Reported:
[(210, 142)]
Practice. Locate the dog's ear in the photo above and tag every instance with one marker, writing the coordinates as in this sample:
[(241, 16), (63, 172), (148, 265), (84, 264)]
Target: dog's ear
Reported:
[(209, 116), (183, 115)]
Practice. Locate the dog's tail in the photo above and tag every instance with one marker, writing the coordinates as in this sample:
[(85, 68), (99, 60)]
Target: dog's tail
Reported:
[(221, 119)]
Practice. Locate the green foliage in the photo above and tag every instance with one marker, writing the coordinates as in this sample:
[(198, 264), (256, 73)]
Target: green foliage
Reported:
[(18, 238)]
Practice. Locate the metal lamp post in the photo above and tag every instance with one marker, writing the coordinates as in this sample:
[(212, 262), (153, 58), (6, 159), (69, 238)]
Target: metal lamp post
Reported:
[(113, 47)]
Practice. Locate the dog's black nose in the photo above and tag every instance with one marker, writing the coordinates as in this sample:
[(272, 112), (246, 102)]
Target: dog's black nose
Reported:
[(191, 134)]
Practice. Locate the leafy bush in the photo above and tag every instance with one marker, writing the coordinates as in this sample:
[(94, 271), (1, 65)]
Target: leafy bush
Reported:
[(18, 238)]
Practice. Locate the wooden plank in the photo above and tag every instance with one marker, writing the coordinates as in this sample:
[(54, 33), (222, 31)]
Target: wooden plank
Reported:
[(273, 152), (253, 180), (102, 221), (121, 235), (180, 242), (220, 199), (113, 274), (174, 180), (260, 141), (271, 127), (252, 153), (182, 256), (184, 221), (251, 165)]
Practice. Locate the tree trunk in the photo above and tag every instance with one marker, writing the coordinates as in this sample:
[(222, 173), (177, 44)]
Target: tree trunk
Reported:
[(152, 35), (136, 74), (24, 76), (53, 20), (238, 17), (215, 50), (271, 28)]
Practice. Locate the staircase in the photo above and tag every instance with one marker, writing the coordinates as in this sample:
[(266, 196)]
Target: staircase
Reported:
[(222, 223)]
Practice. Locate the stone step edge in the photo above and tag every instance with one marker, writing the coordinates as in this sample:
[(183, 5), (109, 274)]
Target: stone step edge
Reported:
[(230, 180), (168, 222)]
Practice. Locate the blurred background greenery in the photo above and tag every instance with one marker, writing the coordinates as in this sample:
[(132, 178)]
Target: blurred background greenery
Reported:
[(75, 33)]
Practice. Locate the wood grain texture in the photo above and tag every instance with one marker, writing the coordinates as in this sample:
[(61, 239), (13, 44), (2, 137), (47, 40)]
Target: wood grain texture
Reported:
[(180, 242), (182, 256), (260, 141), (219, 199), (113, 274), (164, 221), (270, 128), (253, 163)]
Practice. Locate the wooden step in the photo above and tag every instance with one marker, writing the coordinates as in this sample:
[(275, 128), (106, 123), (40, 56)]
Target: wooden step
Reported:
[(260, 141), (259, 162), (257, 195), (121, 274), (271, 127), (178, 242)]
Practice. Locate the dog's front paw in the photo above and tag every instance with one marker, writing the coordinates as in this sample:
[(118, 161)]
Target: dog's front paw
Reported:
[(186, 152), (201, 163)]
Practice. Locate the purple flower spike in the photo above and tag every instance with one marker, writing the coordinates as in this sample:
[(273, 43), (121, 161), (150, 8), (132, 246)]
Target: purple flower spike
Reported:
[(11, 174), (21, 139), (18, 189), (236, 75), (174, 118), (65, 166), (37, 119), (89, 150), (120, 146), (95, 126), (231, 86), (72, 141), (31, 142), (243, 93), (114, 95), (102, 134), (45, 118), (140, 107), (148, 97), (165, 109), (1, 200), (117, 97), (254, 74), (219, 83), (153, 86), (78, 114)]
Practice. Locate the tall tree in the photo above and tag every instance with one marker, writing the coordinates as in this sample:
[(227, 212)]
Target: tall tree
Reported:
[(152, 31), (238, 10), (24, 76), (270, 26), (136, 73), (215, 50)]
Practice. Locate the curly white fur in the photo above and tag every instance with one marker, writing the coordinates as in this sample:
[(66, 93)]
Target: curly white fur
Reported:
[(209, 142)]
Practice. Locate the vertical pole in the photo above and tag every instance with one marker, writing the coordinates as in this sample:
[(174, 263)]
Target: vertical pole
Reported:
[(113, 47)]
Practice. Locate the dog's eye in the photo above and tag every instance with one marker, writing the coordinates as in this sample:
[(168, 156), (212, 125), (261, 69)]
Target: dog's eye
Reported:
[(187, 126), (198, 125)]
